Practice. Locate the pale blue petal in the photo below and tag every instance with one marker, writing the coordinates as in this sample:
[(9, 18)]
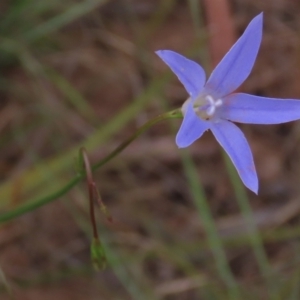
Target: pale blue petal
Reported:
[(236, 146), (244, 108), (191, 75), (191, 129), (237, 64)]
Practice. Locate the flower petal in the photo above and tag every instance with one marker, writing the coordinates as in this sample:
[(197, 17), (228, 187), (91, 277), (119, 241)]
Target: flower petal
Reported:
[(237, 64), (244, 108), (191, 129), (232, 139), (191, 75)]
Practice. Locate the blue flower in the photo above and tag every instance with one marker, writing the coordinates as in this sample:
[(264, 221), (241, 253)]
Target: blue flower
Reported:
[(212, 105)]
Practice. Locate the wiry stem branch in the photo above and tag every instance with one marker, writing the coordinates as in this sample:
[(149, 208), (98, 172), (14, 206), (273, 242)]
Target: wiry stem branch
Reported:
[(91, 187), (32, 205)]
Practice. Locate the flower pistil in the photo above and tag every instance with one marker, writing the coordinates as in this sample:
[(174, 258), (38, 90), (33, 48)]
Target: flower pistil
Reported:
[(205, 106)]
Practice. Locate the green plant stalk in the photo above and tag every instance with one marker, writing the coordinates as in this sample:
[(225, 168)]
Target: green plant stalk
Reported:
[(34, 178), (83, 156), (135, 287), (72, 95), (4, 217), (73, 13), (238, 241), (254, 235), (213, 238), (115, 259)]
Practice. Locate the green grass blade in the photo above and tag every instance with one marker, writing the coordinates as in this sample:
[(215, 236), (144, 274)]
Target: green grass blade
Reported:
[(254, 235), (72, 95), (35, 178), (209, 225), (63, 19)]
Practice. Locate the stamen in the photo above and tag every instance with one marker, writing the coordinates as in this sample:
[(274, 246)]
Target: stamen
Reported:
[(210, 99), (219, 102), (211, 110), (205, 106), (213, 104)]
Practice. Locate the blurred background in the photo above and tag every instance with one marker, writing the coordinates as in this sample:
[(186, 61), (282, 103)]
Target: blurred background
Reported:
[(76, 73)]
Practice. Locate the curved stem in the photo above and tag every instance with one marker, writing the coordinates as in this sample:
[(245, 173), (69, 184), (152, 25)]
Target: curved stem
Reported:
[(62, 191), (91, 188), (170, 115)]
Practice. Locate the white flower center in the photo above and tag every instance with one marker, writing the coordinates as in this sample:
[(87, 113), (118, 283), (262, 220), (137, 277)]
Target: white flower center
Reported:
[(213, 104), (205, 106)]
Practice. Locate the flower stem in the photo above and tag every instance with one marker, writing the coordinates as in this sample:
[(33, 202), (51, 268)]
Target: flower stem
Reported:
[(255, 238), (91, 188), (213, 237), (41, 201)]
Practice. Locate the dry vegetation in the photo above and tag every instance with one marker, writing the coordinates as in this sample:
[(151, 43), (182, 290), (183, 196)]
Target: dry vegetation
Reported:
[(90, 77)]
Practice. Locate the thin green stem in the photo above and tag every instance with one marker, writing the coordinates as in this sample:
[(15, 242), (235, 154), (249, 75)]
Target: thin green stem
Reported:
[(214, 239), (41, 201), (255, 238), (91, 189), (170, 115)]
